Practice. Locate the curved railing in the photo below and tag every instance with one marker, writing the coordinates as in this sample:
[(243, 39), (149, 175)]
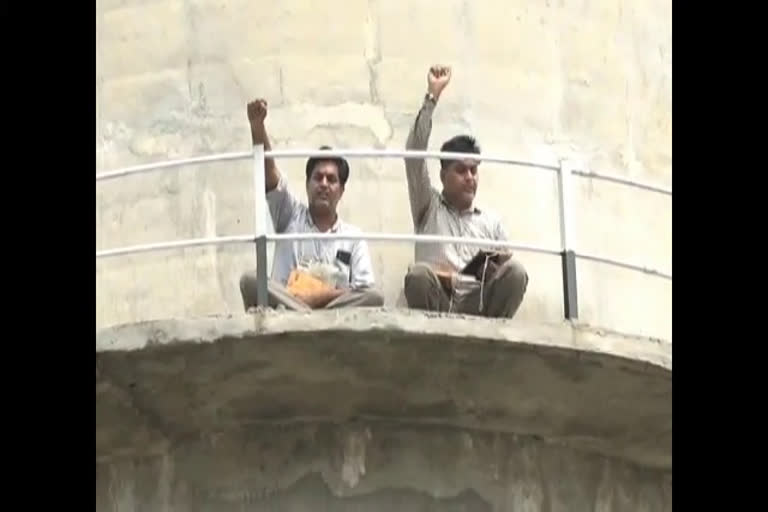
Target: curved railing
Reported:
[(565, 171)]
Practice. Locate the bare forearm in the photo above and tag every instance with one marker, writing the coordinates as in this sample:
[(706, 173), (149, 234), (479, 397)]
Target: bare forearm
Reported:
[(259, 136)]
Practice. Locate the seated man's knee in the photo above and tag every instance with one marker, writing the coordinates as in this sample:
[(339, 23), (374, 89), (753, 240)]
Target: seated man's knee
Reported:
[(512, 275), (422, 287), (372, 298), (419, 274)]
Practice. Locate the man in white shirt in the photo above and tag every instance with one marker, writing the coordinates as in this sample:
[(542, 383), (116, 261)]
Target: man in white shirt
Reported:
[(325, 182)]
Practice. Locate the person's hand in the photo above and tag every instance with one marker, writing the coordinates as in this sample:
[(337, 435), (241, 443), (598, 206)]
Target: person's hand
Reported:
[(446, 279), (437, 78), (502, 257), (257, 111), (311, 299), (495, 261), (303, 296), (317, 299)]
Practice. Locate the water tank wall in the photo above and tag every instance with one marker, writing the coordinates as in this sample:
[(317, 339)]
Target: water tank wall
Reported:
[(588, 80)]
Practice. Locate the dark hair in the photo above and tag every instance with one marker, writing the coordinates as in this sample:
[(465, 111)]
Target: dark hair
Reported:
[(459, 144), (341, 165)]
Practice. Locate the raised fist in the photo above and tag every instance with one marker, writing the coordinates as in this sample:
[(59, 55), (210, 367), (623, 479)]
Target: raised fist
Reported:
[(437, 78), (257, 111)]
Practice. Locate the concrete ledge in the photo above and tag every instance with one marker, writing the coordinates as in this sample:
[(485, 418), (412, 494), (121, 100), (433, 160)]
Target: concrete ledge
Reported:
[(582, 339), (160, 383)]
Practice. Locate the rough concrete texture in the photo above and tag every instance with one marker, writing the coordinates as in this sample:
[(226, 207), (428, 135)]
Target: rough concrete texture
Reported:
[(380, 410), (588, 80)]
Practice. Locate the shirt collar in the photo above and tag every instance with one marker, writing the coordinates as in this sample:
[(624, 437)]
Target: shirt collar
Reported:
[(311, 223), (472, 210)]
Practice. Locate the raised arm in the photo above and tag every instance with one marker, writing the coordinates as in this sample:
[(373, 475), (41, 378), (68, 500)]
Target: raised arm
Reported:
[(282, 203), (257, 112), (419, 186)]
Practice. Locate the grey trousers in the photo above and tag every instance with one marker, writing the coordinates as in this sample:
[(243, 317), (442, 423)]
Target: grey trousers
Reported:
[(503, 292), (280, 296)]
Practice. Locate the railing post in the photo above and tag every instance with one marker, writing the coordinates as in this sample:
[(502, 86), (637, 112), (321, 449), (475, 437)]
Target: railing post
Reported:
[(570, 290), (260, 225)]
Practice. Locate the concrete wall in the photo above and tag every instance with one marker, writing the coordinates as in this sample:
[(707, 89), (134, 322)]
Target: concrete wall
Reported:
[(212, 415), (377, 468), (588, 79)]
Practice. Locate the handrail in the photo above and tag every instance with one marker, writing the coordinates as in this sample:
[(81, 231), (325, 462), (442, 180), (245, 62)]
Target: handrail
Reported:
[(380, 237), (565, 170), (169, 164), (301, 153), (393, 153), (175, 244), (397, 237), (624, 264), (277, 237), (374, 153), (623, 181)]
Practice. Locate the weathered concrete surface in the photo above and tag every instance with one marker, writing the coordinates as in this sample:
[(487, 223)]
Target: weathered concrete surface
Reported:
[(585, 80), (370, 409), (376, 466)]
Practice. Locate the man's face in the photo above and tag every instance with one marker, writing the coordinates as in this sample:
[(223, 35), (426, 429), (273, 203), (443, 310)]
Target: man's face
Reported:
[(460, 182), (324, 189)]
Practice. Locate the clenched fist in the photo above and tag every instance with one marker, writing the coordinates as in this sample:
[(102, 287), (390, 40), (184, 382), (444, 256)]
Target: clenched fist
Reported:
[(437, 78), (257, 111)]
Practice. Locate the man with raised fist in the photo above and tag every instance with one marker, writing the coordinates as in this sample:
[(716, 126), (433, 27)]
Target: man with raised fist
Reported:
[(455, 277), (310, 274)]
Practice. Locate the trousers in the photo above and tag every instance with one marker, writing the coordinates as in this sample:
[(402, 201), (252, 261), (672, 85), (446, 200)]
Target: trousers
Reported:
[(280, 296), (502, 292)]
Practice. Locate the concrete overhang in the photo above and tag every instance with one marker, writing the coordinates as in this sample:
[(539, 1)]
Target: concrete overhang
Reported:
[(601, 392)]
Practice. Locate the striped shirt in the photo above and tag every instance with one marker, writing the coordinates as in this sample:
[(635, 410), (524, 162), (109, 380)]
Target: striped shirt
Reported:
[(434, 216), (289, 215)]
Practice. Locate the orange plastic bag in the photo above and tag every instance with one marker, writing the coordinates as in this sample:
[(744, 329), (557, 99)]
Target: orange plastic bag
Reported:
[(303, 282)]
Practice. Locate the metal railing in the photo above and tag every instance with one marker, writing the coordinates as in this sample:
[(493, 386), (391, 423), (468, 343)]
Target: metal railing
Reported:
[(565, 172)]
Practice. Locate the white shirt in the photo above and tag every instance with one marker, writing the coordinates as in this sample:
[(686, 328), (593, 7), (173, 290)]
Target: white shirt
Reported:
[(291, 216)]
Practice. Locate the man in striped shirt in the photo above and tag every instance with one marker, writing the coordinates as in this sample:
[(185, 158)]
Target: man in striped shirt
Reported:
[(435, 281)]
